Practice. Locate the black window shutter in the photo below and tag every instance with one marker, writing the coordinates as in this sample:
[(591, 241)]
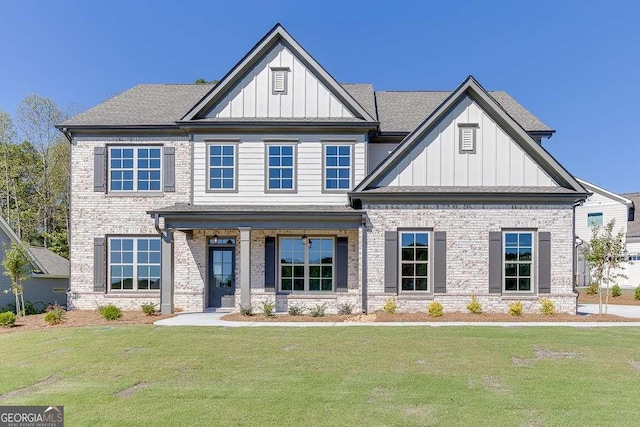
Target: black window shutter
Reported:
[(99, 169), (99, 255), (495, 262), (391, 261), (270, 263), (342, 264), (440, 262), (544, 262), (169, 169)]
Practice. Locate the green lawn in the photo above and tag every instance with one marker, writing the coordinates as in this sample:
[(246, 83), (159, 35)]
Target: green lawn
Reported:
[(327, 376)]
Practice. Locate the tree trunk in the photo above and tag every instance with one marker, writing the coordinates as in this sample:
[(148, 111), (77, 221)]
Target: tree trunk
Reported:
[(600, 297)]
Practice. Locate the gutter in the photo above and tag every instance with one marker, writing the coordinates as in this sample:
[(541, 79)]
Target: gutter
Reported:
[(468, 197)]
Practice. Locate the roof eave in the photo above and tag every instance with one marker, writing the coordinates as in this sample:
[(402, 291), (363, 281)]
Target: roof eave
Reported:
[(189, 126), (468, 197)]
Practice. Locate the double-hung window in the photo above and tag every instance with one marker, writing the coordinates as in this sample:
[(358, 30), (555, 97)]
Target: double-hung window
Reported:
[(134, 263), (595, 219), (518, 261), (281, 168), (222, 167), (337, 167), (135, 169), (414, 260), (306, 265)]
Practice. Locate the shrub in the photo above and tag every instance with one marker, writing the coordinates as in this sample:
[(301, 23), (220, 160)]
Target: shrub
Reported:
[(615, 291), (318, 310), (546, 306), (55, 314), (296, 310), (149, 309), (7, 319), (474, 305), (246, 310), (637, 295), (593, 289), (390, 306), (435, 309), (268, 309), (110, 312), (345, 309), (515, 308), (34, 308)]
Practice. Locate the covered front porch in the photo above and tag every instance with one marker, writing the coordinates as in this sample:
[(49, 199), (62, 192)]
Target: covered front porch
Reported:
[(228, 257)]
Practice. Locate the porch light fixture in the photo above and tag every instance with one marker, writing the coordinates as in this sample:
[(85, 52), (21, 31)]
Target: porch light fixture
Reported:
[(305, 239), (215, 239)]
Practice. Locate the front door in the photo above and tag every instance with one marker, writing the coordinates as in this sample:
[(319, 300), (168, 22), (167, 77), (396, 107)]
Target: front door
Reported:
[(222, 276)]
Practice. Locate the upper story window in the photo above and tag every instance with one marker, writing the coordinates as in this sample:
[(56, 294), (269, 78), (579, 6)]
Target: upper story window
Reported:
[(594, 219), (414, 262), (222, 167), (518, 261), (134, 263), (281, 167), (135, 169), (337, 167)]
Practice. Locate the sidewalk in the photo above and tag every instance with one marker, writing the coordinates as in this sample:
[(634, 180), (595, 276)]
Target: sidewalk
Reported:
[(214, 319)]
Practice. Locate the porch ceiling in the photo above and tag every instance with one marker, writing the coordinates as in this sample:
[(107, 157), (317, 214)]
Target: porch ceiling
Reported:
[(197, 217)]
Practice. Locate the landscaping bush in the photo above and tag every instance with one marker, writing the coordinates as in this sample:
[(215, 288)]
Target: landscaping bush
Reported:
[(55, 314), (149, 309), (318, 310), (297, 310), (246, 310), (435, 309), (7, 319), (547, 307), (268, 309), (637, 295), (615, 291), (345, 309), (110, 312), (390, 306), (593, 289), (474, 305), (515, 308), (34, 308)]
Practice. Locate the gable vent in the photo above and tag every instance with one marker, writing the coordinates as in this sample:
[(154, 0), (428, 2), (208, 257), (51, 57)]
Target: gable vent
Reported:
[(467, 138), (279, 80)]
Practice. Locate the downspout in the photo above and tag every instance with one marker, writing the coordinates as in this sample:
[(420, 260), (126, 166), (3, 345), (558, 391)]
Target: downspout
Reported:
[(574, 251), (364, 263), (156, 224)]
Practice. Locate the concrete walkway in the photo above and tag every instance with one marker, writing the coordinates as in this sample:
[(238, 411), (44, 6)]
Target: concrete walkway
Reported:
[(214, 319)]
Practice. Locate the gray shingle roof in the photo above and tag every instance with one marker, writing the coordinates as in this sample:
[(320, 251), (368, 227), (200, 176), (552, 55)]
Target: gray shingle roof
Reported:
[(52, 263), (633, 227), (364, 95), (404, 111)]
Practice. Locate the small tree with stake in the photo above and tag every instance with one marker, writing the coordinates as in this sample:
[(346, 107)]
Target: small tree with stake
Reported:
[(16, 266), (605, 254)]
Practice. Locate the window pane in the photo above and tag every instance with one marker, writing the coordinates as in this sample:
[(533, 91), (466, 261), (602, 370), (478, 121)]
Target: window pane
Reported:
[(511, 270), (525, 284), (407, 285), (421, 270), (525, 239), (525, 254), (511, 284), (511, 254), (422, 254), (421, 284), (511, 239), (408, 254), (286, 284), (327, 284), (407, 269), (314, 284), (525, 270), (314, 272), (298, 284)]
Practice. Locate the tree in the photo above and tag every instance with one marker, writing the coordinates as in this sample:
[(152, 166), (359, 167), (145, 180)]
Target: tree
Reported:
[(605, 254), (16, 266), (204, 82)]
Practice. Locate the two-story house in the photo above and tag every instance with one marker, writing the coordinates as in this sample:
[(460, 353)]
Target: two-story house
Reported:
[(280, 184)]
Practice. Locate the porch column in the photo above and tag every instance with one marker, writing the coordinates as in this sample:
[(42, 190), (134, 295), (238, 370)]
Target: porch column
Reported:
[(245, 266), (166, 274)]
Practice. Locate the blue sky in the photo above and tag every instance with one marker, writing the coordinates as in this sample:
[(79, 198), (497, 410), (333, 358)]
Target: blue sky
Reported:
[(573, 64)]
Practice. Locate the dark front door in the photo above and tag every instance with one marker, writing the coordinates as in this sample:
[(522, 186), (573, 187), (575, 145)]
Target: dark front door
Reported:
[(222, 276)]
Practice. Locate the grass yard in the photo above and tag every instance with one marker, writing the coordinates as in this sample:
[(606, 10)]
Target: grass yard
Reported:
[(147, 375)]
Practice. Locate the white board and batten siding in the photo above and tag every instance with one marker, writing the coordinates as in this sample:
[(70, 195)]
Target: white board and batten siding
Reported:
[(609, 208), (305, 96), (498, 160), (251, 170)]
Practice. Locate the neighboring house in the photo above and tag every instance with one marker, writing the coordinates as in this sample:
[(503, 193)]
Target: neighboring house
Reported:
[(633, 242), (49, 279), (280, 184)]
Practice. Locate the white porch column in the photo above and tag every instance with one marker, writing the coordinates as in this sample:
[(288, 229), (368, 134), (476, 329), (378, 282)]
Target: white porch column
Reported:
[(166, 273), (245, 266)]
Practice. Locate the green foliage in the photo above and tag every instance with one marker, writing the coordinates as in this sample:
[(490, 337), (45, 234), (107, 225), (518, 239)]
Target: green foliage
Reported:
[(7, 319), (390, 306), (593, 289), (149, 309), (110, 312), (547, 307), (616, 291), (474, 305), (268, 309), (55, 315), (296, 310), (246, 310), (318, 310), (203, 81), (345, 309), (435, 309), (515, 308), (16, 266), (58, 243), (637, 293)]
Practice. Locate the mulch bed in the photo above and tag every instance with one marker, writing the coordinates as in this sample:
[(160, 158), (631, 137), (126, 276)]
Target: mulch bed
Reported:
[(627, 298), (76, 318)]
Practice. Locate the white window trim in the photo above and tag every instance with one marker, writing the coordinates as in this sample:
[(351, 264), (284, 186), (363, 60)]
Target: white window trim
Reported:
[(294, 167), (208, 187), (430, 266), (135, 168), (534, 262), (135, 289), (306, 267), (351, 167)]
